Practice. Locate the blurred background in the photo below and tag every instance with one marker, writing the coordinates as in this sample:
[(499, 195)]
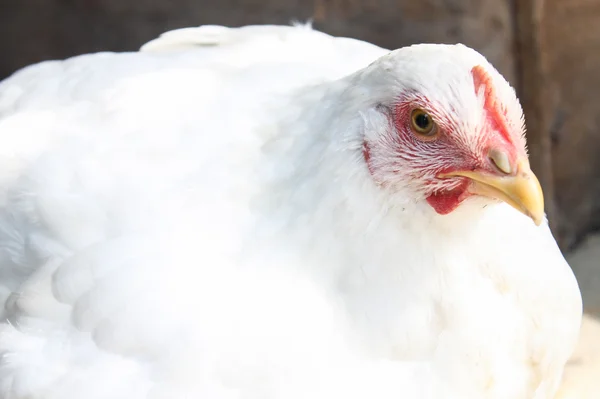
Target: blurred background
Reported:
[(548, 49)]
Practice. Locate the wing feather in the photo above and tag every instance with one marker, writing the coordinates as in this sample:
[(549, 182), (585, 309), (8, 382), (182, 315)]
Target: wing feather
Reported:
[(125, 181)]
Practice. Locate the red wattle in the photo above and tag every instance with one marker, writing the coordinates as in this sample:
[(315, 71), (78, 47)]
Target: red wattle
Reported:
[(444, 202)]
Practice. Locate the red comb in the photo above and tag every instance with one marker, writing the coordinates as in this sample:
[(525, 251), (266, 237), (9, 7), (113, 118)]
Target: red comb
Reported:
[(496, 115)]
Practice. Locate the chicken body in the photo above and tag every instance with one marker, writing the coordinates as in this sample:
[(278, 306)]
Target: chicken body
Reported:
[(200, 219)]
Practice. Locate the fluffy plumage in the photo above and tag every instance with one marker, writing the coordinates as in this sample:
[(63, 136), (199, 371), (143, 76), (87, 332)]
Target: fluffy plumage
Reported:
[(245, 213)]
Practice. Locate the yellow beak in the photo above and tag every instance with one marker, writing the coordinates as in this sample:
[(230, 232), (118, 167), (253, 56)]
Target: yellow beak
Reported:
[(521, 190)]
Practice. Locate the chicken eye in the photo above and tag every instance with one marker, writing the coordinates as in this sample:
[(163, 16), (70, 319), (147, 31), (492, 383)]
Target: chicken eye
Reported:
[(423, 123)]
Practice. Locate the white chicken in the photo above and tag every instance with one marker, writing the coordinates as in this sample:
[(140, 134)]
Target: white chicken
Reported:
[(271, 212)]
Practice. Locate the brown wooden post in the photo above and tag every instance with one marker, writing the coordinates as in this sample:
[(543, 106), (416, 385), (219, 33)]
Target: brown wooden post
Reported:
[(533, 92)]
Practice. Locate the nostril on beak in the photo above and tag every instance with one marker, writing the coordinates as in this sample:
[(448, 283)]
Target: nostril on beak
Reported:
[(500, 160)]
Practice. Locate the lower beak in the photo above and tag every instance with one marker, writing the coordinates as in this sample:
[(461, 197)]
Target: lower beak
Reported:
[(522, 190)]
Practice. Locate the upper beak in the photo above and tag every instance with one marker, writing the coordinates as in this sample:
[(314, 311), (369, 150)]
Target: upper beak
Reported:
[(520, 189)]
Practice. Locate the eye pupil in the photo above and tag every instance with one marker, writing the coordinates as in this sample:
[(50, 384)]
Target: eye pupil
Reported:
[(423, 121)]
